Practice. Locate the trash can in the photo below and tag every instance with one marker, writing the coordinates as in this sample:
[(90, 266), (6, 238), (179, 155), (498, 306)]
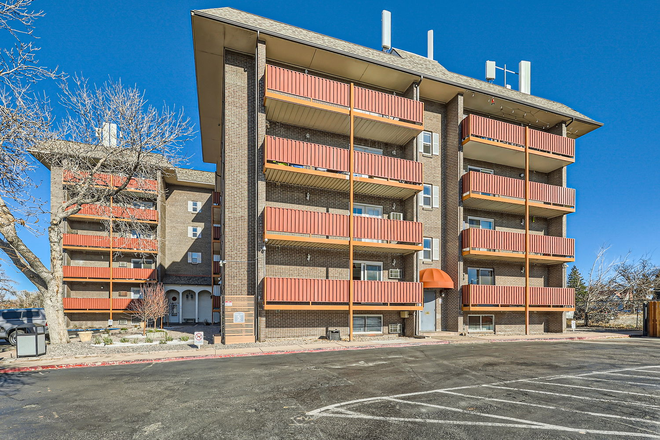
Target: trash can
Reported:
[(333, 335), (30, 340)]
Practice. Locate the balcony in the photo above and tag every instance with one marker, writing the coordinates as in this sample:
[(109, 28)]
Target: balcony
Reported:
[(118, 213), (105, 180), (493, 141), (96, 242), (512, 298), (504, 194), (322, 294), (321, 230), (310, 101), (510, 246), (216, 268), (321, 166), (95, 304), (81, 273)]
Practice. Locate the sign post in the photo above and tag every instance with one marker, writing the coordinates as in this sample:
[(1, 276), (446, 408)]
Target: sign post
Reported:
[(199, 339)]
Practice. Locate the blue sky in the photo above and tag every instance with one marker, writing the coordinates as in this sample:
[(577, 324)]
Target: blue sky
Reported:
[(600, 60)]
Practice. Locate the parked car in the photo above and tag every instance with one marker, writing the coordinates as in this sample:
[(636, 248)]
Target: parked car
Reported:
[(12, 318)]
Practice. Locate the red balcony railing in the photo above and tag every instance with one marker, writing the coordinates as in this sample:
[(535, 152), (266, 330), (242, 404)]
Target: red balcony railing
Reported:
[(216, 268), (217, 198), (490, 129), (302, 290), (502, 241), (217, 302), (335, 159), (119, 212), (501, 186), (103, 273), (102, 179), (217, 232), (337, 93), (294, 221), (104, 242), (97, 303), (503, 296)]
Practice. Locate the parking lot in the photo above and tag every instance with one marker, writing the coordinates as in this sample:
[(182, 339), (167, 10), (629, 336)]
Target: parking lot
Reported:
[(518, 390)]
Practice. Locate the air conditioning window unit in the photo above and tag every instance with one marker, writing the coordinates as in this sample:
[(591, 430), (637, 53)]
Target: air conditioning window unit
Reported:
[(395, 274), (394, 329), (396, 215), (123, 321), (122, 264)]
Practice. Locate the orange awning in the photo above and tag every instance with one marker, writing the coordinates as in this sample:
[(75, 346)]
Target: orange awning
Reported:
[(435, 279)]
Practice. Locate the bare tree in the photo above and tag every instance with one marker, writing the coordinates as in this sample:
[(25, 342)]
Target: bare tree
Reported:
[(594, 304), (152, 304), (114, 141)]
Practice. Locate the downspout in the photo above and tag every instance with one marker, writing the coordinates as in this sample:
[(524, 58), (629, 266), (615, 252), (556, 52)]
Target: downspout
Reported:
[(256, 188)]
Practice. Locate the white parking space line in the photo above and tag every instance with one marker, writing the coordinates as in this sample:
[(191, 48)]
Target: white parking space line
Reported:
[(595, 399), (639, 427), (654, 396), (613, 380), (556, 408)]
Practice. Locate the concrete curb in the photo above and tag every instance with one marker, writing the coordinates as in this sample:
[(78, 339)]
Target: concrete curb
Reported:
[(311, 350)]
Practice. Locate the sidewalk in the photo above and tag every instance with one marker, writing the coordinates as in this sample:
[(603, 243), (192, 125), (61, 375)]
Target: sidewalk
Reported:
[(14, 365)]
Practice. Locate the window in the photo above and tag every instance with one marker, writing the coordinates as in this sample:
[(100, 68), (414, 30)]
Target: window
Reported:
[(368, 149), (481, 323), (481, 276), (142, 264), (194, 207), (428, 143), (368, 210), (194, 231), (430, 196), (194, 257), (431, 249), (367, 323), (141, 204), (480, 223), (367, 271), (136, 293), (480, 170)]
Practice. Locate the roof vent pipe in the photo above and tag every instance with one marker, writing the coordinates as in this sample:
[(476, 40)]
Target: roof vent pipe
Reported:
[(386, 40), (525, 77), (429, 45)]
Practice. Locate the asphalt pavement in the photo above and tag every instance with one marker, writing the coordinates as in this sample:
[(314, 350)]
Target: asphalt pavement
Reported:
[(582, 389)]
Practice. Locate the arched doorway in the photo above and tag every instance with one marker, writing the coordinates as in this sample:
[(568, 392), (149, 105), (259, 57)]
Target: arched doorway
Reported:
[(188, 306), (174, 300)]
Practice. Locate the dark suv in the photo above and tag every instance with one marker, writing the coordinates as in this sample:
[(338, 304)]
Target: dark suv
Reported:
[(11, 318)]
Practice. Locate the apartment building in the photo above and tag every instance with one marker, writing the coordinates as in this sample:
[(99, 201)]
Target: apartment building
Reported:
[(375, 192), (169, 240)]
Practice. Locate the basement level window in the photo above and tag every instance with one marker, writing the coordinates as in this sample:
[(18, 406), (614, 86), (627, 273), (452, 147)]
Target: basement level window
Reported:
[(481, 323), (367, 323)]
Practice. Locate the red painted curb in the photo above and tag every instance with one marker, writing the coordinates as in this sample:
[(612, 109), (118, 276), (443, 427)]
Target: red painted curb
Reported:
[(268, 353)]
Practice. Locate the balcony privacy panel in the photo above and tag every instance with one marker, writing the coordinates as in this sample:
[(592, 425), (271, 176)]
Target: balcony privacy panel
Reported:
[(336, 159), (474, 238), (388, 292), (97, 303), (336, 291), (504, 132), (104, 273), (389, 105), (308, 86), (515, 296), (296, 221), (119, 212), (490, 184), (104, 242), (337, 93), (372, 228), (102, 179)]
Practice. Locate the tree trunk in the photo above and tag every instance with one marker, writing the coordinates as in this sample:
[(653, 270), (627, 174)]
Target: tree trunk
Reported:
[(53, 306)]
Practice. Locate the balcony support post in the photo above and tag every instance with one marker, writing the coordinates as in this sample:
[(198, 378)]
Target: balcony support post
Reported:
[(351, 169), (527, 230), (111, 244)]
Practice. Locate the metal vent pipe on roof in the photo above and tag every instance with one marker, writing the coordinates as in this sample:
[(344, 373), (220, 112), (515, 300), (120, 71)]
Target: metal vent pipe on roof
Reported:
[(386, 35), (429, 45)]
